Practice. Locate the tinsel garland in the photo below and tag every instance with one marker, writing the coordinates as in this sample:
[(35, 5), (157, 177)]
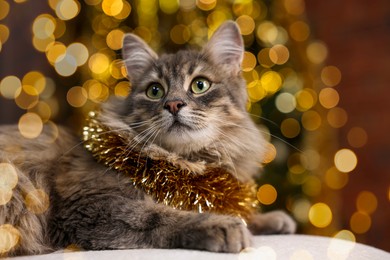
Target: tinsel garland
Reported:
[(216, 190)]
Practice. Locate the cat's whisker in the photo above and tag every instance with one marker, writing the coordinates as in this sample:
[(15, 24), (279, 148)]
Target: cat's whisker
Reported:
[(263, 118)]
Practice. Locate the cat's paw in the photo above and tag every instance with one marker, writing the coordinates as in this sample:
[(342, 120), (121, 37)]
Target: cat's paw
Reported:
[(274, 222), (216, 234)]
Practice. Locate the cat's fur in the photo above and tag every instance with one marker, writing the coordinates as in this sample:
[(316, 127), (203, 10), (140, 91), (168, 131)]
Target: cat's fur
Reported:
[(97, 208)]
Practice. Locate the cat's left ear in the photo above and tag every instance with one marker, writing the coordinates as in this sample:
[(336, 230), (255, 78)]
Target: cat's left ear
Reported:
[(137, 55), (226, 46)]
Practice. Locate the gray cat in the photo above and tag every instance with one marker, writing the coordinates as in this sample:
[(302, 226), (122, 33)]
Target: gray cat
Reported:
[(186, 108)]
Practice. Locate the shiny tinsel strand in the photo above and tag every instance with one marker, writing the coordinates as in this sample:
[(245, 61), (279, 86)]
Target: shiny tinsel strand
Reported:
[(215, 190)]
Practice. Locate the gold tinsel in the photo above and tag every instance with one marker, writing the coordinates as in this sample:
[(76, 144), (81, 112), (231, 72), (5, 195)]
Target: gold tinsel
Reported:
[(215, 190)]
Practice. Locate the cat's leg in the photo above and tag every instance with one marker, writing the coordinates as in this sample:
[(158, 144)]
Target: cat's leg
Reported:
[(274, 222), (119, 223)]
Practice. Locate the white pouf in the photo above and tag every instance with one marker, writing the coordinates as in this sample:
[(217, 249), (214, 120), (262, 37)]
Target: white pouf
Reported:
[(291, 247)]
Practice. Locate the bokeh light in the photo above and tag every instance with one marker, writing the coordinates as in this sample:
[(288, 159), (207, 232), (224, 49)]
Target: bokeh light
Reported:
[(9, 238), (267, 194), (37, 201), (320, 215), (357, 137), (30, 125), (345, 160)]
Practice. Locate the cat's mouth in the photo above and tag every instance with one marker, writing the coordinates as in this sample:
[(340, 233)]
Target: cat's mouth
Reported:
[(178, 126)]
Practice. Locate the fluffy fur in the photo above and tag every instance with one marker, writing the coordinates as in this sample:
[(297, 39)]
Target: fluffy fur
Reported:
[(97, 208)]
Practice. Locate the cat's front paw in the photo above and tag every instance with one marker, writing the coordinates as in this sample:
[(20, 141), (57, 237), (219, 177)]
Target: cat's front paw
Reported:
[(274, 222), (216, 234)]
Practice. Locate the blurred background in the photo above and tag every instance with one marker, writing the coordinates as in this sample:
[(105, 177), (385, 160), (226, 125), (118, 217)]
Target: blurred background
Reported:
[(317, 76)]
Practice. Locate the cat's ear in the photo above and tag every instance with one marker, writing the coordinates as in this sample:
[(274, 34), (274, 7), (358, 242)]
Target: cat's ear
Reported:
[(226, 46), (137, 55)]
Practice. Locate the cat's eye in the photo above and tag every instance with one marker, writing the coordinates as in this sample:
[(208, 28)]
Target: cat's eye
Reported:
[(155, 91), (200, 85)]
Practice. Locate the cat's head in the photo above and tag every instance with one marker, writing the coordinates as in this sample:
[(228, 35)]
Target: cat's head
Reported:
[(191, 100)]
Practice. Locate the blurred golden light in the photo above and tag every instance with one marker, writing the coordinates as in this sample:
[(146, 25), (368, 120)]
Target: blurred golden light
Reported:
[(116, 69), (54, 51), (9, 177), (285, 102), (112, 7), (299, 31), (5, 196), (169, 6), (270, 154), (267, 194), (125, 12), (341, 245), (317, 52), (99, 63), (180, 34), (9, 238), (306, 99), (301, 254), (67, 9), (311, 120), (60, 28), (267, 32), (320, 215), (44, 26), (49, 89), (300, 210), (312, 186), (4, 33), (122, 89), (37, 201), (43, 110), (30, 125), (345, 160), (310, 159), (255, 91), (337, 117), (290, 128), (4, 9), (79, 52), (357, 137), (97, 92), (20, 1), (279, 54), (264, 58), (331, 76), (294, 7), (360, 222), (36, 80), (187, 5), (249, 62), (65, 65), (114, 39), (77, 96), (10, 87), (335, 179), (329, 97), (366, 202), (206, 5), (271, 81), (27, 98), (246, 24), (43, 44)]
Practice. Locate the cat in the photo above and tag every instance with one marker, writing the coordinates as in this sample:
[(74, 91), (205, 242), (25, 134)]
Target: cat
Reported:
[(188, 108)]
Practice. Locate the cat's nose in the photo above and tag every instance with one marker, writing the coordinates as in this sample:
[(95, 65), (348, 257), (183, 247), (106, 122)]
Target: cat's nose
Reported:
[(174, 106)]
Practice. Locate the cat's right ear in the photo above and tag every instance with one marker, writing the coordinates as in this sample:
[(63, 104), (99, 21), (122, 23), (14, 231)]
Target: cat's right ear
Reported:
[(137, 55)]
